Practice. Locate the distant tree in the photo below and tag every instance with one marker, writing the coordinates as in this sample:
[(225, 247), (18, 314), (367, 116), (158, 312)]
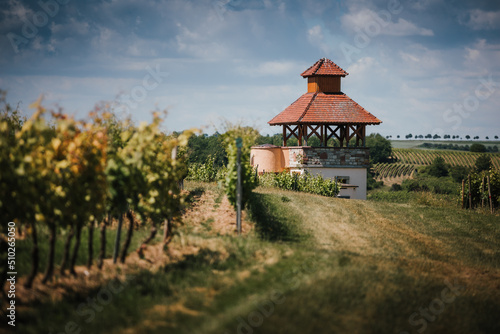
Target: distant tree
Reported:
[(436, 136), (487, 137), (496, 137), (483, 162), (476, 137), (398, 137), (380, 148), (409, 136), (203, 145), (438, 168), (476, 147), (467, 137), (428, 136), (446, 137)]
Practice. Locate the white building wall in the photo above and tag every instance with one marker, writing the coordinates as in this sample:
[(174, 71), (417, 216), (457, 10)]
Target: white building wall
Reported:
[(357, 177)]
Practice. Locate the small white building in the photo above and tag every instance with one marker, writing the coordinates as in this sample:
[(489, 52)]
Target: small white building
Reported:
[(327, 113)]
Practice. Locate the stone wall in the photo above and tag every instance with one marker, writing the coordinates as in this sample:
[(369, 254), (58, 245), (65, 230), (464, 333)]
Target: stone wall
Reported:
[(328, 157)]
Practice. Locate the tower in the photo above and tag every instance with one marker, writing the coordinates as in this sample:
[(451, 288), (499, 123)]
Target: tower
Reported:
[(330, 115)]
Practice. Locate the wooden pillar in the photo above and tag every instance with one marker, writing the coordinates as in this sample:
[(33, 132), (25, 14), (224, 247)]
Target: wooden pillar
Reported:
[(322, 132), (299, 129), (358, 137), (284, 135), (364, 135), (346, 132), (304, 129)]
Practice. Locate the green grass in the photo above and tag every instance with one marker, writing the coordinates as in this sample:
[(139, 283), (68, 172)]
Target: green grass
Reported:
[(313, 265)]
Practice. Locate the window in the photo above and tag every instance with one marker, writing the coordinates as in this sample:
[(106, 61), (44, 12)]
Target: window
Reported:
[(342, 179)]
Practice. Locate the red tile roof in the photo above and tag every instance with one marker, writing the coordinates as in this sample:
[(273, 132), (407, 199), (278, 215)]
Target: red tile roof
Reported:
[(321, 108), (324, 67)]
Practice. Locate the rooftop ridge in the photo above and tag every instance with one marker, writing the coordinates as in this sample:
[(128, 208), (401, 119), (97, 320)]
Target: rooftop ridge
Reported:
[(324, 67)]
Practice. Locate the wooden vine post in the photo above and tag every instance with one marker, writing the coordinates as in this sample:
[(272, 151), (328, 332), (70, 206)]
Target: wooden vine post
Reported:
[(239, 144), (482, 191), (489, 196), (470, 194), (463, 194)]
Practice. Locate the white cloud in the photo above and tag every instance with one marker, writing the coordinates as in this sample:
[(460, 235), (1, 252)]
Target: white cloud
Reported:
[(275, 68), (472, 54), (482, 20), (371, 23), (316, 37)]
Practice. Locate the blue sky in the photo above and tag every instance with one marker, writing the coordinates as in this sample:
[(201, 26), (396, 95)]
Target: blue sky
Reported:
[(429, 66)]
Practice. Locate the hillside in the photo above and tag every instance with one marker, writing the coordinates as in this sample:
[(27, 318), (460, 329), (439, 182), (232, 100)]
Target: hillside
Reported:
[(305, 264)]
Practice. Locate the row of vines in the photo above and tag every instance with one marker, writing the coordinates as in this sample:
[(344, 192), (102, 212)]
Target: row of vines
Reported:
[(64, 175), (407, 160), (481, 190), (453, 158), (392, 170)]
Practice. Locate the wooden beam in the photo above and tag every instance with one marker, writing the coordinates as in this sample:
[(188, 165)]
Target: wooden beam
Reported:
[(364, 135), (346, 135), (323, 141), (284, 135)]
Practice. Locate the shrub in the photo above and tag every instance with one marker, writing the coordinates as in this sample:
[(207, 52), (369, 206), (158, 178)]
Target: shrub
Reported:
[(396, 187), (300, 182), (432, 184), (438, 168), (458, 173), (483, 162)]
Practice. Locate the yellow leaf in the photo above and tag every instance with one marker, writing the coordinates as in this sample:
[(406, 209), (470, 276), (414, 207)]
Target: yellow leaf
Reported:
[(56, 142)]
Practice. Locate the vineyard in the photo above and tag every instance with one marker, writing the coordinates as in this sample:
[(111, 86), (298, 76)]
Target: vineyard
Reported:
[(64, 176), (407, 160)]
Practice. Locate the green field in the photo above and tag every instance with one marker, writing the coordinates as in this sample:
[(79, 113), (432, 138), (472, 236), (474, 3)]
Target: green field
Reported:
[(305, 264)]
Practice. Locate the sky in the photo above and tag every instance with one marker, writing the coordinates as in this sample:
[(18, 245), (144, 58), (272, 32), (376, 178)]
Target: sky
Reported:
[(420, 66)]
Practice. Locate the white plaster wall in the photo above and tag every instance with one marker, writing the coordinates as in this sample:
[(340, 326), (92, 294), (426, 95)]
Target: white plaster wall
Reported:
[(357, 177)]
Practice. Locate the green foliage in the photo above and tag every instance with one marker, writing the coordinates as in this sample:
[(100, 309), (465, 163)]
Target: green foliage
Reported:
[(204, 172), (438, 168), (249, 182), (458, 173), (380, 148), (396, 187), (476, 147), (479, 188), (301, 182), (203, 146), (483, 162), (69, 173), (430, 183), (371, 182)]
